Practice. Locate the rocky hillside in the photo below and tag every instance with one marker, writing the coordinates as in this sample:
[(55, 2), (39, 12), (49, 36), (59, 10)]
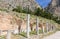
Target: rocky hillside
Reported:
[(54, 7), (10, 4)]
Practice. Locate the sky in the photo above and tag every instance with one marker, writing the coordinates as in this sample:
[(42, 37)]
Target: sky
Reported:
[(43, 3)]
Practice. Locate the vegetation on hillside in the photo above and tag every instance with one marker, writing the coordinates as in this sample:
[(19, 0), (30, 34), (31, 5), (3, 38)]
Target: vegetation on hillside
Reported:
[(24, 10), (38, 12)]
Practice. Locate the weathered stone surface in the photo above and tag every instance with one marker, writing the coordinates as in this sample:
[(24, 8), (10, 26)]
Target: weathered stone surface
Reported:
[(5, 21), (54, 7)]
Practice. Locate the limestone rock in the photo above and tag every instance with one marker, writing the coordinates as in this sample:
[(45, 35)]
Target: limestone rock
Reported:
[(54, 7), (10, 4)]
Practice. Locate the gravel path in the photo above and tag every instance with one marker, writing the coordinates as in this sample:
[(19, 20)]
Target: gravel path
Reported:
[(54, 36)]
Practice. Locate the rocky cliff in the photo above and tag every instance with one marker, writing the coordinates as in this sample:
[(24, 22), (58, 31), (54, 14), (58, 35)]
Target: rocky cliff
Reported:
[(10, 4), (54, 7)]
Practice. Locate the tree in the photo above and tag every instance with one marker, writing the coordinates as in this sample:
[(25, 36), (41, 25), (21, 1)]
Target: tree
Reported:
[(26, 10), (38, 12)]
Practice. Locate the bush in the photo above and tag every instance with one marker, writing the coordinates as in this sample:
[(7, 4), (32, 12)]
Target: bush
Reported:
[(57, 21), (17, 9), (40, 12), (24, 10)]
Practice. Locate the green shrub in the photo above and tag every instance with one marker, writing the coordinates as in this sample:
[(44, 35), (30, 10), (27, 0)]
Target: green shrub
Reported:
[(40, 12), (33, 33), (27, 11), (17, 9), (23, 34)]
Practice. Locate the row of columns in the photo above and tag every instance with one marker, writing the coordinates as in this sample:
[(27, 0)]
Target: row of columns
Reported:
[(37, 26), (28, 28)]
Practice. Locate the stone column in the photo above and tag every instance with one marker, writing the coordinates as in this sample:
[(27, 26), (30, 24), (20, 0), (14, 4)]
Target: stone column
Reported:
[(37, 25), (43, 29), (47, 27), (8, 34), (28, 25), (16, 30), (51, 27), (0, 32), (54, 28)]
